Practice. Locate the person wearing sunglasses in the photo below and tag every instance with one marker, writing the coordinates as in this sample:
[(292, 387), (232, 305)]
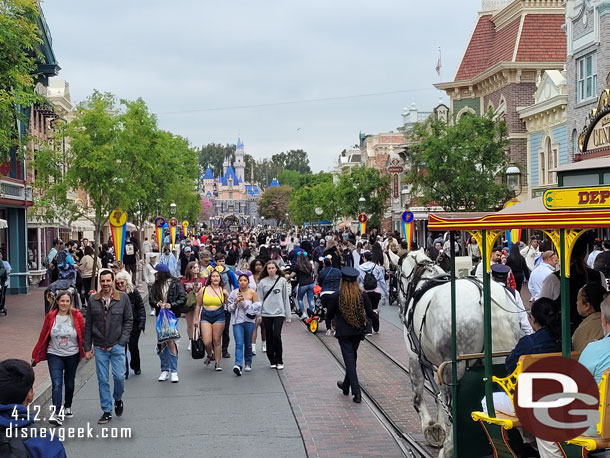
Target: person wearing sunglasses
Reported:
[(122, 282), (243, 306)]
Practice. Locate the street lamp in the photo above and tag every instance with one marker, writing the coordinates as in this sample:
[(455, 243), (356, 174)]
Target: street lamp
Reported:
[(513, 179), (172, 209), (404, 194), (361, 203)]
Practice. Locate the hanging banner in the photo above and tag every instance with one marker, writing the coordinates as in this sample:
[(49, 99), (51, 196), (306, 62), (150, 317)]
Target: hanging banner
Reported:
[(159, 224), (407, 227), (173, 223), (118, 228), (185, 227), (362, 219)]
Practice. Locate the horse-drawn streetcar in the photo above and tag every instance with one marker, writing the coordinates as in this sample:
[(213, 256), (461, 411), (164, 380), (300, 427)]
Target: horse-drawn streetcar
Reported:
[(459, 331)]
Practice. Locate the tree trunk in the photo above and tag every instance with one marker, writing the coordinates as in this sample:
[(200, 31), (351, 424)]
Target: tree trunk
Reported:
[(96, 250)]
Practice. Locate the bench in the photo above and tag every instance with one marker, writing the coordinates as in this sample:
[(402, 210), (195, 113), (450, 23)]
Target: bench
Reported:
[(496, 428)]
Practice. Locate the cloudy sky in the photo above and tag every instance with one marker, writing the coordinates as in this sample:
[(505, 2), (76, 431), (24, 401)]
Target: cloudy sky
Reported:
[(213, 71)]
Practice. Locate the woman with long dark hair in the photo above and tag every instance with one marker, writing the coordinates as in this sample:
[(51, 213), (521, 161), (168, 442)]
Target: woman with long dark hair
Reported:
[(518, 265), (192, 283), (211, 300), (350, 308), (303, 270), (545, 319), (167, 292), (256, 267)]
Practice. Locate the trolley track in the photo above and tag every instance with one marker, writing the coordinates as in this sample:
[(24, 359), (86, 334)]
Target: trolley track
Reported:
[(387, 398)]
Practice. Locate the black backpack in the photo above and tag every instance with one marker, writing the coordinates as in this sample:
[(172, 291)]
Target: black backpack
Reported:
[(369, 282), (13, 447)]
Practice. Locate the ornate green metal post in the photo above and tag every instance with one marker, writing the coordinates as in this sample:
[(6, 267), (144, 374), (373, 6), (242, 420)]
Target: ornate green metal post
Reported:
[(566, 339), (454, 360), (487, 329)]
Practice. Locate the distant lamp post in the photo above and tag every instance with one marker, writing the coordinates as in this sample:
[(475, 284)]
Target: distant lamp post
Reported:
[(361, 203), (513, 179), (172, 209), (404, 195), (318, 212)]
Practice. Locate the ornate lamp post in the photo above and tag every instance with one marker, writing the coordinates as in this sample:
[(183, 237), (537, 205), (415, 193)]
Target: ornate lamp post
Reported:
[(513, 179), (172, 209)]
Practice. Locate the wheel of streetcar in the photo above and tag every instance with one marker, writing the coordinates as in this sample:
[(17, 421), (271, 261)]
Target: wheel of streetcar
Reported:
[(313, 326)]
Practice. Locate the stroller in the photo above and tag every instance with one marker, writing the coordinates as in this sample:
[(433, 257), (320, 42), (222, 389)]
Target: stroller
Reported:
[(319, 312)]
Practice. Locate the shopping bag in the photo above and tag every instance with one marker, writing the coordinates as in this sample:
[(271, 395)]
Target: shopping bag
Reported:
[(197, 347), (167, 326)]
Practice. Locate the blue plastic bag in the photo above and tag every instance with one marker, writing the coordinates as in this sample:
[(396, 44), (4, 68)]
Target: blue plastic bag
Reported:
[(167, 326)]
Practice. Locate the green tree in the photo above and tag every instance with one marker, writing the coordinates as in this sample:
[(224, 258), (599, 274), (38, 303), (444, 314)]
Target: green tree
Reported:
[(274, 202), (297, 159), (305, 199), (95, 157), (363, 182), (451, 164), (19, 51), (213, 154)]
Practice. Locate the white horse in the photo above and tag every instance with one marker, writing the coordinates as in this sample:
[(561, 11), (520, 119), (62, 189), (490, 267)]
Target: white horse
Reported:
[(432, 325)]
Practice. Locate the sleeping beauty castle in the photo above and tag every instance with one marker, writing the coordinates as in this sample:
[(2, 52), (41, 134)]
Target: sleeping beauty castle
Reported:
[(235, 202)]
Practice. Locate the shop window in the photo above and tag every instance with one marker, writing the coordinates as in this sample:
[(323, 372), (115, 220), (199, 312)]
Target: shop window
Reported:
[(586, 75), (574, 142)]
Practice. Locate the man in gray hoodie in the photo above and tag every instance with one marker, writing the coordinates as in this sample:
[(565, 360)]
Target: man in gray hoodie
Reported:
[(272, 291)]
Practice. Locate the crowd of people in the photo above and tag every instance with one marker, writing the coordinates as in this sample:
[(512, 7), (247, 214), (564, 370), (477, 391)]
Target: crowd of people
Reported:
[(250, 282)]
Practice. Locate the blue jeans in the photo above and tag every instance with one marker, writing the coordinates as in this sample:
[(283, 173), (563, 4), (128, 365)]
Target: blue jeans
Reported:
[(169, 361), (307, 289), (104, 358), (62, 370), (242, 333)]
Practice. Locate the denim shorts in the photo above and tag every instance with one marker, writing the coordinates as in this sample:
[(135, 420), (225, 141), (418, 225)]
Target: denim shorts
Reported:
[(216, 316)]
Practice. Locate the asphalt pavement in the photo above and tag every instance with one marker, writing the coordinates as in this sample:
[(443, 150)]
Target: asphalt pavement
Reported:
[(206, 414)]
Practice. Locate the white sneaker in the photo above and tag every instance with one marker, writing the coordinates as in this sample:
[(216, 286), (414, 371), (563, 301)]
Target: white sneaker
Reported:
[(329, 332), (304, 316), (189, 347), (280, 367), (254, 349), (248, 368), (152, 312), (175, 378), (164, 376), (273, 366), (264, 347)]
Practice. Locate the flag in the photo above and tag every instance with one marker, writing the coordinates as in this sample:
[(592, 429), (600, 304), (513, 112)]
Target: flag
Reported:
[(438, 63), (118, 226)]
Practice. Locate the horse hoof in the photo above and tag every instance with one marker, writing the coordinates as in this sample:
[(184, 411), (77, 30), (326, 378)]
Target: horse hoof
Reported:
[(435, 435)]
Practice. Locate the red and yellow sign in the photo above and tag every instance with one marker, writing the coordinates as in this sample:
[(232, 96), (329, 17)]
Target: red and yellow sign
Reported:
[(118, 226), (362, 219), (589, 198), (185, 227), (173, 222), (159, 225)]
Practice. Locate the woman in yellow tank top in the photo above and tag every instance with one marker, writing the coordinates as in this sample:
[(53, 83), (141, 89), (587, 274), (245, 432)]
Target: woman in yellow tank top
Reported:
[(211, 301)]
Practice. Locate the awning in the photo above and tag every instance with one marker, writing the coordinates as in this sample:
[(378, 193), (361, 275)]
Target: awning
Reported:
[(82, 226), (3, 224)]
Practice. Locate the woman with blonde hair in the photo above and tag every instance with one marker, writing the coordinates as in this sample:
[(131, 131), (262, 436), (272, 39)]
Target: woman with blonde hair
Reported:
[(122, 282), (350, 308), (61, 344)]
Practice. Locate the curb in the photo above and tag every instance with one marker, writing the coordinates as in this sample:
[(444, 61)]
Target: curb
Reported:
[(43, 392)]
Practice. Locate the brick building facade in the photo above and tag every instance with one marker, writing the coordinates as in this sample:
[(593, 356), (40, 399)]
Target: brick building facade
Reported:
[(587, 64), (511, 46)]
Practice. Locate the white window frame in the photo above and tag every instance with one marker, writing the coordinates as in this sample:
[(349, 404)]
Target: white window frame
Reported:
[(586, 84)]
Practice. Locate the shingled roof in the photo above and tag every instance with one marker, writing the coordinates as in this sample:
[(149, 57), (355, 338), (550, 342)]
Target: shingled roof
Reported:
[(541, 39)]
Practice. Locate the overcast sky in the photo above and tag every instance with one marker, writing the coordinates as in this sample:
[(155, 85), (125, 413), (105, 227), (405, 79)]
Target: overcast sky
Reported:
[(191, 59)]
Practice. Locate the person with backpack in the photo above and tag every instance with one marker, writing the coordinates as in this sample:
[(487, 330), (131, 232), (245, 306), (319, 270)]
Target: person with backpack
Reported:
[(16, 394), (329, 279), (130, 259), (372, 282)]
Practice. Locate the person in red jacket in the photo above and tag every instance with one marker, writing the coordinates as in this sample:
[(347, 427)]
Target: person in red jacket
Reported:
[(61, 344)]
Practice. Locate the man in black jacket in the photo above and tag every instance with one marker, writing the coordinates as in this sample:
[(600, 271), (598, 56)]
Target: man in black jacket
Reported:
[(107, 330)]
